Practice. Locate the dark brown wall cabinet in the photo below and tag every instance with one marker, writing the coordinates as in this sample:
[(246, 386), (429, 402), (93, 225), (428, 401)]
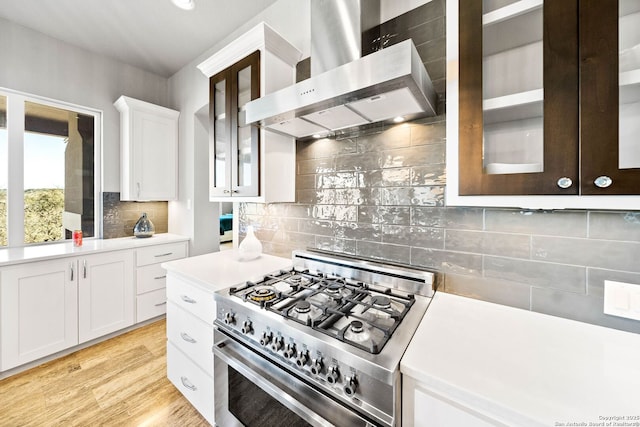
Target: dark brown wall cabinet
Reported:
[(549, 100), (233, 145)]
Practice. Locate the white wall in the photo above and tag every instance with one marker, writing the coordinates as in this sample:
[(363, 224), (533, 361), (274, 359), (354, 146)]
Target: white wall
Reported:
[(193, 215), (37, 64)]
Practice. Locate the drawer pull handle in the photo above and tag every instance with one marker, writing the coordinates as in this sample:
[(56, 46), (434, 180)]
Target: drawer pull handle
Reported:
[(160, 277), (161, 255), (187, 299), (187, 338), (161, 304), (187, 384)]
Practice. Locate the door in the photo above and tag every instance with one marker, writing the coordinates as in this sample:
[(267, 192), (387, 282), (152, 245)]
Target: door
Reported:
[(154, 138), (106, 294), (39, 310), (233, 145), (610, 96), (518, 76)]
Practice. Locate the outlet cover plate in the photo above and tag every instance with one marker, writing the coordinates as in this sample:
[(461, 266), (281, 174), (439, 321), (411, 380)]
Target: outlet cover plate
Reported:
[(622, 299)]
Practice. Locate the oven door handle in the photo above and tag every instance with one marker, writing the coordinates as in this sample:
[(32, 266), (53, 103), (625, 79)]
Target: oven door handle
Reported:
[(275, 381)]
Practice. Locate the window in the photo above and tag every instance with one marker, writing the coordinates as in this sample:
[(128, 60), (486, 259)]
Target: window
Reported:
[(48, 171)]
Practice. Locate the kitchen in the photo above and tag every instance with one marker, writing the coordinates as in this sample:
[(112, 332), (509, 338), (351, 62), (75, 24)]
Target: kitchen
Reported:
[(378, 195)]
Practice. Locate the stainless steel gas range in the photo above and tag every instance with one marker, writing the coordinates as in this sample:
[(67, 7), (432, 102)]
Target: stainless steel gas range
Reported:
[(318, 344)]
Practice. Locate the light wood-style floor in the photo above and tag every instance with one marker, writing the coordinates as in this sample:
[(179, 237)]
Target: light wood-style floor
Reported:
[(119, 382)]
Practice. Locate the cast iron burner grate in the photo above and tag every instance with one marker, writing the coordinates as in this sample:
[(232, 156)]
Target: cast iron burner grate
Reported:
[(331, 305)]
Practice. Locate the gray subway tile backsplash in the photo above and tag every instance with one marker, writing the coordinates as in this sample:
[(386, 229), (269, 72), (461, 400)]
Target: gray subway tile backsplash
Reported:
[(607, 254), (379, 193)]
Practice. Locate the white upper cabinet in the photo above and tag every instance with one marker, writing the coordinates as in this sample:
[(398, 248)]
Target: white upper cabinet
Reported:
[(247, 163), (148, 151)]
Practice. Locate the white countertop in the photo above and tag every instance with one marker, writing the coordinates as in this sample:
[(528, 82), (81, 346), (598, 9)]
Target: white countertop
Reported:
[(525, 368), (219, 270), (10, 256)]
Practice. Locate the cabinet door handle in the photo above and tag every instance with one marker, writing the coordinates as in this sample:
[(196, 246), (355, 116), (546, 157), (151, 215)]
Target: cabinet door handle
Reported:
[(161, 304), (84, 268), (187, 384), (565, 182), (187, 338), (71, 266), (235, 191), (603, 181), (226, 191), (160, 277), (138, 187), (187, 299), (161, 255)]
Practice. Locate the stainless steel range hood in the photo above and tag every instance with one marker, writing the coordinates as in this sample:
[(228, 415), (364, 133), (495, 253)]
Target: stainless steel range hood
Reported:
[(355, 91)]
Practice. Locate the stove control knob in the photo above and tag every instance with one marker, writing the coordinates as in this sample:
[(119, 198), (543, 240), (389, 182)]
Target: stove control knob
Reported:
[(277, 344), (350, 385), (247, 327), (229, 318), (303, 357), (316, 366), (290, 351), (266, 338), (333, 374)]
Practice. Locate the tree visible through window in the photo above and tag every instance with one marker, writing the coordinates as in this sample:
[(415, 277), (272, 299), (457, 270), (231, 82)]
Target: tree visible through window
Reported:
[(57, 175)]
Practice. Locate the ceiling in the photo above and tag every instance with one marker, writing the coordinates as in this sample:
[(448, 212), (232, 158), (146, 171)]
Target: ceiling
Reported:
[(150, 34)]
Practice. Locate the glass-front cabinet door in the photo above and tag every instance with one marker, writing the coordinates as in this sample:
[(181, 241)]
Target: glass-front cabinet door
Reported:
[(610, 96), (518, 77), (233, 145), (549, 100)]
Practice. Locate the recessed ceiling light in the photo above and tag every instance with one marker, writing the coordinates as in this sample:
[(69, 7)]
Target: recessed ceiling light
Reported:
[(317, 136), (185, 4), (399, 119)]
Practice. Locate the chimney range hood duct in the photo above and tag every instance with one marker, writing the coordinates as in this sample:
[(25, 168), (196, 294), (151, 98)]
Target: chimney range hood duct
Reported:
[(346, 90)]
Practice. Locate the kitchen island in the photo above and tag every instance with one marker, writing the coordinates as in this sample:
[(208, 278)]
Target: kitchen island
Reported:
[(474, 363), (191, 310)]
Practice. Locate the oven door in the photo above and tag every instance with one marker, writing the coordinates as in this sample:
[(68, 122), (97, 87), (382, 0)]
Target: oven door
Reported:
[(252, 391)]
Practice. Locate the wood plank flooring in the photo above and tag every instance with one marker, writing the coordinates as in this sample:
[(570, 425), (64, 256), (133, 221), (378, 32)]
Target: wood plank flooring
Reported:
[(119, 382)]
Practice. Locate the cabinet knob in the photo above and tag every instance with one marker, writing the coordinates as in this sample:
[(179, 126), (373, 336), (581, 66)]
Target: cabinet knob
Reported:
[(603, 181), (226, 191), (565, 182)]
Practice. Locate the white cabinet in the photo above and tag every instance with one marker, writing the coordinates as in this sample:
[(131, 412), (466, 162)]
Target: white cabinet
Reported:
[(248, 163), (105, 294), (422, 407), (39, 311), (190, 315), (50, 306), (151, 298), (148, 150)]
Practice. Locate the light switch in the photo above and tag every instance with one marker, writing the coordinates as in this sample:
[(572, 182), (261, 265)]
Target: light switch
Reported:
[(622, 299)]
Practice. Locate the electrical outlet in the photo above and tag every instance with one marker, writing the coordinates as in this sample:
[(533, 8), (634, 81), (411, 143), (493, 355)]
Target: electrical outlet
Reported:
[(622, 299)]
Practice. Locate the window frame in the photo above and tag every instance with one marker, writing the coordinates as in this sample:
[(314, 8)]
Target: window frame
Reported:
[(15, 101)]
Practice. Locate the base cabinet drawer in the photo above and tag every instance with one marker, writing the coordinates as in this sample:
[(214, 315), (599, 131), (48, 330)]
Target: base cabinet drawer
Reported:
[(193, 382), (191, 335), (191, 298), (160, 253), (150, 278), (151, 304)]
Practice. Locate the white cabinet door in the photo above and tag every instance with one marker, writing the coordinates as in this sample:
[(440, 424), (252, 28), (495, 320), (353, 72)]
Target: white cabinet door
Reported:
[(149, 150), (106, 293), (39, 310), (422, 407)]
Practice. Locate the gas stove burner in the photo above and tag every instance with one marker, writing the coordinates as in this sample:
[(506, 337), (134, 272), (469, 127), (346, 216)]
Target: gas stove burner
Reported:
[(380, 301), (334, 289), (356, 327), (303, 307), (304, 312), (297, 279), (263, 293)]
